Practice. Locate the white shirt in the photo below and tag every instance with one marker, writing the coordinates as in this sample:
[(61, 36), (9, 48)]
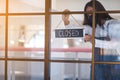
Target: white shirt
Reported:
[(111, 28)]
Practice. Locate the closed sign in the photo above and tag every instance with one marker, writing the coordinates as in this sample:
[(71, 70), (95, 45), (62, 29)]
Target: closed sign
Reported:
[(69, 33)]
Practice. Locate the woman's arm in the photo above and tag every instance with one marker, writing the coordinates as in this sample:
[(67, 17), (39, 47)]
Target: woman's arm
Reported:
[(88, 33)]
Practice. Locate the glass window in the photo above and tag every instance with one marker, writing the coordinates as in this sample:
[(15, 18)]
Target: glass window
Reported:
[(22, 6), (110, 4), (2, 35), (107, 71), (2, 6), (70, 71), (108, 47), (72, 5), (2, 67), (25, 70), (26, 36), (35, 44), (69, 47)]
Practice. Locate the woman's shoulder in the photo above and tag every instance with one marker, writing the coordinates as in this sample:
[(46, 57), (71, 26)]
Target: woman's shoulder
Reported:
[(113, 25), (113, 21)]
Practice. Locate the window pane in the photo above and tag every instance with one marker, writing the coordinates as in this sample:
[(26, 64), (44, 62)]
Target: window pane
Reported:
[(2, 67), (108, 42), (107, 71), (2, 6), (21, 6), (19, 70), (69, 47), (26, 36), (2, 36), (70, 71), (111, 4), (72, 5)]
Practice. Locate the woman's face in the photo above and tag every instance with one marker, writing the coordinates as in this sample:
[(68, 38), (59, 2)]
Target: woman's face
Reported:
[(89, 9), (89, 16)]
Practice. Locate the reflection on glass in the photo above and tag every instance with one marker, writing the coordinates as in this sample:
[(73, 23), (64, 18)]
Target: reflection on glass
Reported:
[(19, 70), (21, 6), (2, 35), (107, 71), (26, 36), (70, 71), (69, 48)]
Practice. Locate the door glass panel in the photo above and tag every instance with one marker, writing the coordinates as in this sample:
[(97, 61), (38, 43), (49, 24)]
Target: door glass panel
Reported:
[(74, 48), (70, 71), (22, 6), (107, 71), (2, 67), (108, 45), (2, 6), (2, 36), (18, 70), (26, 36), (110, 4), (72, 5)]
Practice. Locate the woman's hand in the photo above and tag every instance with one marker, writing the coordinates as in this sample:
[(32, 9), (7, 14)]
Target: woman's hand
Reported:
[(65, 16), (87, 38)]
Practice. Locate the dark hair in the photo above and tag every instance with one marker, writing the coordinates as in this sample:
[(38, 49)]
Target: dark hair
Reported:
[(99, 17)]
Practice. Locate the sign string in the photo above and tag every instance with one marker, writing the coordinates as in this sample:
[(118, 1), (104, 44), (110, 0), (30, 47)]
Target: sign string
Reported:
[(73, 19)]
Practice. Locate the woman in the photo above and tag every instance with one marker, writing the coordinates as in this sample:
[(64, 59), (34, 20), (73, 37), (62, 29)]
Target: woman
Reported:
[(103, 26)]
